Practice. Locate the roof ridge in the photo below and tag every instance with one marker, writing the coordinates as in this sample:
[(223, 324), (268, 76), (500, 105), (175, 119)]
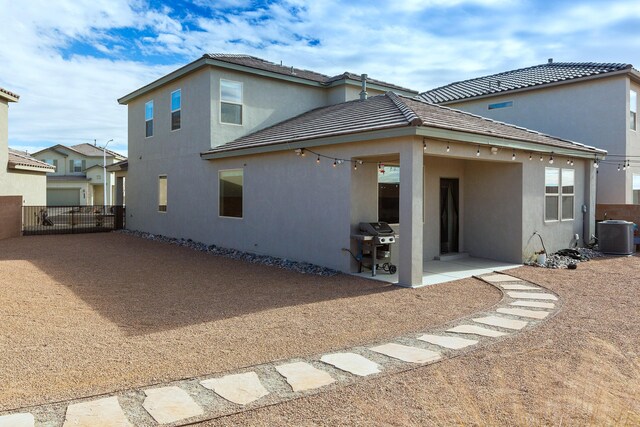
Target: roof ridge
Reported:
[(407, 112)]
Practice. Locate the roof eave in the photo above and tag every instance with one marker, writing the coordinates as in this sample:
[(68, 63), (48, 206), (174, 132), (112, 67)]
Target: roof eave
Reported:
[(21, 167), (9, 97)]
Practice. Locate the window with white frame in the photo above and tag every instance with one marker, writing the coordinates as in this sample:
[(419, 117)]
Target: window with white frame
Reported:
[(230, 102), (567, 193), (76, 166), (148, 119), (231, 189), (162, 193), (176, 108), (551, 194), (635, 186), (633, 110)]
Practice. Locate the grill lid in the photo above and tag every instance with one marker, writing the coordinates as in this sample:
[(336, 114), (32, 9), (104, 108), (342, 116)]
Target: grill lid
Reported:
[(376, 228)]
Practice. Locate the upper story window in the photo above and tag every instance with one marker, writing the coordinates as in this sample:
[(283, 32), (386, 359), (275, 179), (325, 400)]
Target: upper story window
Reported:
[(230, 102), (148, 119), (76, 166), (633, 110), (176, 107), (505, 104)]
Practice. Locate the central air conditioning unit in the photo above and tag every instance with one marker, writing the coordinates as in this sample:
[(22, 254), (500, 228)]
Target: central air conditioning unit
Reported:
[(615, 237)]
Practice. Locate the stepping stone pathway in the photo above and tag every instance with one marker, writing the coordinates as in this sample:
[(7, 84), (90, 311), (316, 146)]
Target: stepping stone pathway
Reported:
[(302, 376), (170, 404), (352, 363), (533, 314), (532, 295), (406, 353), (455, 343), (535, 304), (476, 330), (104, 412), (502, 322), (17, 420), (240, 388)]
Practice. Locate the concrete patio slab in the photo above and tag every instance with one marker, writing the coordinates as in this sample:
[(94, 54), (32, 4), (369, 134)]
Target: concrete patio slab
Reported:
[(240, 388), (170, 404), (520, 288), (535, 304), (476, 330), (352, 363), (105, 412), (302, 376), (533, 314), (17, 420), (500, 278), (454, 343), (502, 322), (406, 353), (532, 295)]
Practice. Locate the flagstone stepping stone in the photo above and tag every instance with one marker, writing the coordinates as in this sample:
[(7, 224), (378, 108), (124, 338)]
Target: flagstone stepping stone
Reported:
[(104, 412), (240, 388), (455, 343), (406, 353), (352, 363), (533, 314), (520, 288), (303, 376), (170, 404), (499, 278), (532, 295), (502, 322), (476, 330), (535, 304), (24, 419)]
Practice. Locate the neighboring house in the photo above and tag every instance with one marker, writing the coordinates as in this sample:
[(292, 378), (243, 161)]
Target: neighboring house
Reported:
[(119, 171), (20, 174), (592, 103), (79, 175), (242, 153)]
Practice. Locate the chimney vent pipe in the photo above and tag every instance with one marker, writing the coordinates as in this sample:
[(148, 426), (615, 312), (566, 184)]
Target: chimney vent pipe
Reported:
[(363, 93)]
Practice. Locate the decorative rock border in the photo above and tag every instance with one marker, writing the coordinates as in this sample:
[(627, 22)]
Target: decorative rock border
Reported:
[(198, 399)]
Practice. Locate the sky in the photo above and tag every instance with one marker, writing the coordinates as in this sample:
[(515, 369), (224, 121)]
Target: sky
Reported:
[(70, 60)]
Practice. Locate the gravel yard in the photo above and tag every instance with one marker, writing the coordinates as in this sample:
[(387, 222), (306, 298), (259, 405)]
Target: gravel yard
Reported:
[(96, 313), (582, 367)]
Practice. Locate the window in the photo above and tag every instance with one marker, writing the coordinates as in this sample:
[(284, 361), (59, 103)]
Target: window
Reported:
[(568, 192), (76, 166), (148, 119), (633, 110), (230, 102), (636, 189), (389, 194), (501, 105), (231, 193), (176, 104), (551, 194), (162, 193)]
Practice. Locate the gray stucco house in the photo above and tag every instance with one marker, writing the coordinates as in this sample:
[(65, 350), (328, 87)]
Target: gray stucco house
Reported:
[(594, 103), (239, 152)]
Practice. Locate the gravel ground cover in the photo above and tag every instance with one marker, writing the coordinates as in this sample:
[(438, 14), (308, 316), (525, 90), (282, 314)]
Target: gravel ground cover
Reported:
[(582, 367), (96, 313)]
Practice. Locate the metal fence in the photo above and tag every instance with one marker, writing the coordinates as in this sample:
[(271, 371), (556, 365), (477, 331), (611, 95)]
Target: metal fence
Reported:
[(71, 219)]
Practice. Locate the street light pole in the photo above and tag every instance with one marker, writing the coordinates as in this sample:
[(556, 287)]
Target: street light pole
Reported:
[(104, 173)]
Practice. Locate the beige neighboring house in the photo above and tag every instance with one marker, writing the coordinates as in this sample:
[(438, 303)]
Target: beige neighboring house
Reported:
[(78, 179), (20, 174), (239, 152), (594, 103), (119, 171)]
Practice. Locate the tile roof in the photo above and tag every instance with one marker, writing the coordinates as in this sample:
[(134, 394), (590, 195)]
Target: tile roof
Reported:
[(537, 75), (92, 150), (385, 112), (261, 64), (21, 158), (9, 94)]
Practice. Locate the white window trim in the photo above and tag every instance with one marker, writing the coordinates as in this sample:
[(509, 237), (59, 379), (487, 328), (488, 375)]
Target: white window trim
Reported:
[(635, 127), (241, 104), (158, 195), (153, 113), (573, 217), (556, 195), (220, 195), (173, 111)]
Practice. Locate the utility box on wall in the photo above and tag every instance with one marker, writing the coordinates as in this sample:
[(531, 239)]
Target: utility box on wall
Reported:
[(10, 216)]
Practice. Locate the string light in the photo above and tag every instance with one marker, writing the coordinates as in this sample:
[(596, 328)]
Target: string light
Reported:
[(355, 166), (335, 163), (478, 152), (551, 159), (568, 162), (571, 162), (318, 160), (624, 167), (513, 156), (448, 148), (541, 157), (530, 156)]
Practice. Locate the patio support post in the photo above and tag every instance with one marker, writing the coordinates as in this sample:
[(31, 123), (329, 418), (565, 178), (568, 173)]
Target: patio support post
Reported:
[(589, 218), (411, 205)]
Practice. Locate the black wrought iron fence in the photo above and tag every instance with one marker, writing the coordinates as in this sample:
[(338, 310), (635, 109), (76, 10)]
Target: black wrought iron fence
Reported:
[(71, 219)]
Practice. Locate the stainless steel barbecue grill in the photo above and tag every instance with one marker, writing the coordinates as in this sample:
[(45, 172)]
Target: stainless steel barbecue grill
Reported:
[(374, 247)]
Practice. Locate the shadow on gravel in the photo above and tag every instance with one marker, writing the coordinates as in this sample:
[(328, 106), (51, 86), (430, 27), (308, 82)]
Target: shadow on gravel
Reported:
[(145, 287)]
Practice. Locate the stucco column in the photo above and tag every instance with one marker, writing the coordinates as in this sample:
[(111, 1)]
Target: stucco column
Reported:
[(411, 205), (590, 188)]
